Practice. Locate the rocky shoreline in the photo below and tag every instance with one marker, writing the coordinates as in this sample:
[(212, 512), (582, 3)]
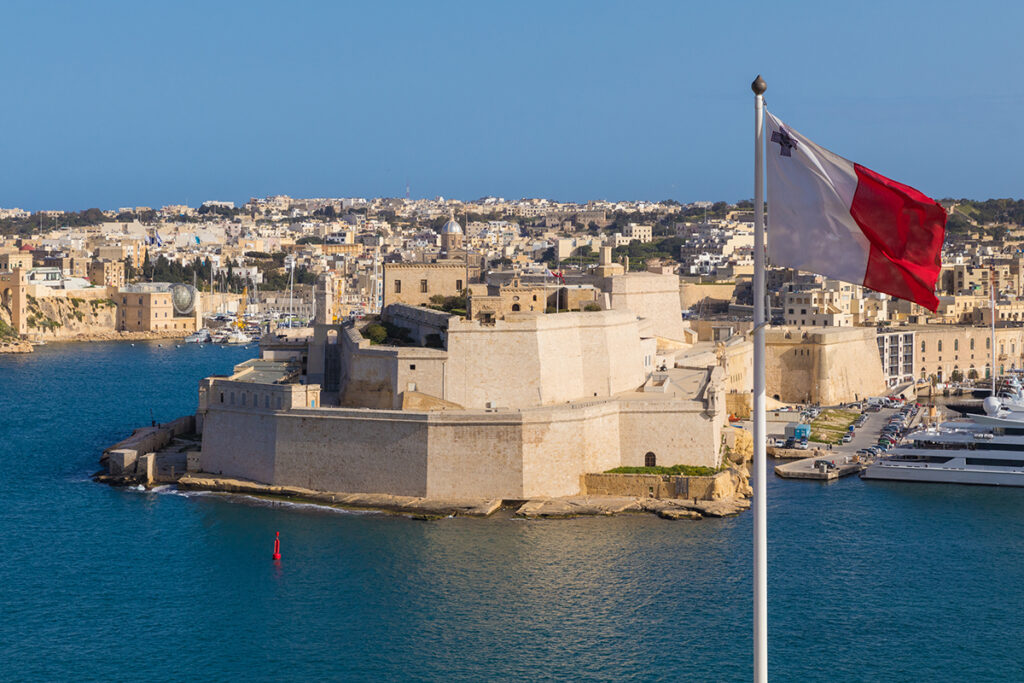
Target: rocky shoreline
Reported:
[(15, 346), (427, 508), (26, 346)]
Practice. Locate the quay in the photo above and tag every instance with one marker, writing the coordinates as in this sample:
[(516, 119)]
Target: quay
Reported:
[(821, 467)]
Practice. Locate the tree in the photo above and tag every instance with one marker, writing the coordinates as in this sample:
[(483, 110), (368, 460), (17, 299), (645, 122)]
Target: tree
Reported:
[(93, 216), (375, 332), (972, 374), (956, 376)]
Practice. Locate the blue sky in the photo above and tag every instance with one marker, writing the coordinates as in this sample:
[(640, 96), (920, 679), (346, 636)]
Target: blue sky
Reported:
[(146, 103)]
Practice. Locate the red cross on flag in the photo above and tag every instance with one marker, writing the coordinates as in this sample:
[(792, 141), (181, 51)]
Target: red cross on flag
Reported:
[(830, 216)]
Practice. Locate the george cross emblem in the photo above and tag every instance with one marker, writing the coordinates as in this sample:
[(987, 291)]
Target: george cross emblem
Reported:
[(786, 142)]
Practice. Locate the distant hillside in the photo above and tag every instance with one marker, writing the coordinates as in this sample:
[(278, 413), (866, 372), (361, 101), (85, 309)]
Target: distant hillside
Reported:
[(971, 213)]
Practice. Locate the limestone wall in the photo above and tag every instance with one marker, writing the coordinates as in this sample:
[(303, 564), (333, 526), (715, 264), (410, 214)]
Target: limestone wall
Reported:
[(452, 453), (532, 360), (691, 293), (651, 296), (727, 484), (476, 455), (826, 366), (240, 443), (560, 444), (677, 432), (377, 376)]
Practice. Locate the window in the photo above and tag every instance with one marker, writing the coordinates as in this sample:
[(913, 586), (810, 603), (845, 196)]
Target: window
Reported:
[(988, 343), (803, 311), (650, 460), (972, 344), (412, 366), (940, 346), (458, 285), (423, 286), (956, 344), (222, 397), (515, 307), (398, 286)]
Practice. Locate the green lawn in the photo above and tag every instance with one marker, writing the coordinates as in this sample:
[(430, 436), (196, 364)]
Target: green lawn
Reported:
[(831, 425)]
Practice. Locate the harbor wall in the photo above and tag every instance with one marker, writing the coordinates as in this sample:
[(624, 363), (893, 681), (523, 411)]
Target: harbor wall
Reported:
[(453, 453)]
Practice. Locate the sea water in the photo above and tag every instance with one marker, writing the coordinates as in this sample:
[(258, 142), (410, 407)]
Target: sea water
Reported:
[(868, 580)]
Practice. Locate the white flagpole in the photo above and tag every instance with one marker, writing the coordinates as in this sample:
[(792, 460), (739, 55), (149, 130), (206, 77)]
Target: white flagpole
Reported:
[(760, 467)]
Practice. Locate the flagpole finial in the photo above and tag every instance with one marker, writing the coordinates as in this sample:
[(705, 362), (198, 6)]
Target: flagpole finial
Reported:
[(759, 86)]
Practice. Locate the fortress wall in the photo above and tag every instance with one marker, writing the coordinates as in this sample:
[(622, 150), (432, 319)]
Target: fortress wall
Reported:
[(543, 360), (353, 451), (827, 366), (240, 443), (651, 296), (612, 355), (563, 443), (371, 379), (463, 454), (559, 351), (678, 433), (475, 455), (498, 364), (691, 293)]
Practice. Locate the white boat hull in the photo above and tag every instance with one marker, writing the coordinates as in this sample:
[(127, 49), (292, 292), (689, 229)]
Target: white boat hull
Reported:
[(941, 475)]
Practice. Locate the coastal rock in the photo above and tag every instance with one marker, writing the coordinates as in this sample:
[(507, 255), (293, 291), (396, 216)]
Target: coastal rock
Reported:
[(427, 508), (678, 513), (578, 506), (15, 346)]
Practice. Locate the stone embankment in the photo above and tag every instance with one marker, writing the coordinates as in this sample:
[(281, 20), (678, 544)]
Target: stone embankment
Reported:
[(427, 508), (169, 454)]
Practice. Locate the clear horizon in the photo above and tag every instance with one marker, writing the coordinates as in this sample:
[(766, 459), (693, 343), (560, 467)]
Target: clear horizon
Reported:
[(117, 104)]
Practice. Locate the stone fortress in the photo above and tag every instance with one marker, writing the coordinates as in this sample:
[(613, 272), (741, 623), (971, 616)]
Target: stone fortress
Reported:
[(503, 402)]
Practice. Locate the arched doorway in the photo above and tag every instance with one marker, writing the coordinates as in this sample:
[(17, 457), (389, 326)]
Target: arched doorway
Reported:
[(7, 298), (515, 307)]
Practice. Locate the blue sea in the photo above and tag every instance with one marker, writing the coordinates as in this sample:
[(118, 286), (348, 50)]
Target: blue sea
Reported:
[(868, 581)]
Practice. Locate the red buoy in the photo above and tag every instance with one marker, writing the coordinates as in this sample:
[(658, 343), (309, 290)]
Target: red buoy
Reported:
[(277, 546)]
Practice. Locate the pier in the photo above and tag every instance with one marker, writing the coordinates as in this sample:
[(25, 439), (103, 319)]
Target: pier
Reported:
[(821, 467)]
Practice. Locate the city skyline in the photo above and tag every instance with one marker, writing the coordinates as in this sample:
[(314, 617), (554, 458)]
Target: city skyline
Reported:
[(126, 105)]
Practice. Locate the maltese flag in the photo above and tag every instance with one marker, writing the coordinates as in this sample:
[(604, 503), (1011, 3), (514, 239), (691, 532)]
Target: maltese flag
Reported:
[(831, 216)]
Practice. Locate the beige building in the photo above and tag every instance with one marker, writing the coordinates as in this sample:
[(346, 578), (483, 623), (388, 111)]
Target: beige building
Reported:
[(642, 233), (13, 296), (149, 308), (942, 350), (16, 259), (106, 273), (415, 283)]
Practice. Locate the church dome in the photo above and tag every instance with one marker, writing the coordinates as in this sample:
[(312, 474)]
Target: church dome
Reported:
[(451, 228)]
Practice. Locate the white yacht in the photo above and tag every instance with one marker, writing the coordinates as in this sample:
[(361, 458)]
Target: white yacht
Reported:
[(237, 337), (200, 336), (987, 449)]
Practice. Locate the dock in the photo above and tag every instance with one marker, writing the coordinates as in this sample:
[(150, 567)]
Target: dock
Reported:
[(812, 468)]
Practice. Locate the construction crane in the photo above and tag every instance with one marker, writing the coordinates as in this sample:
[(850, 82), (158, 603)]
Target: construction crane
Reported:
[(240, 316)]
